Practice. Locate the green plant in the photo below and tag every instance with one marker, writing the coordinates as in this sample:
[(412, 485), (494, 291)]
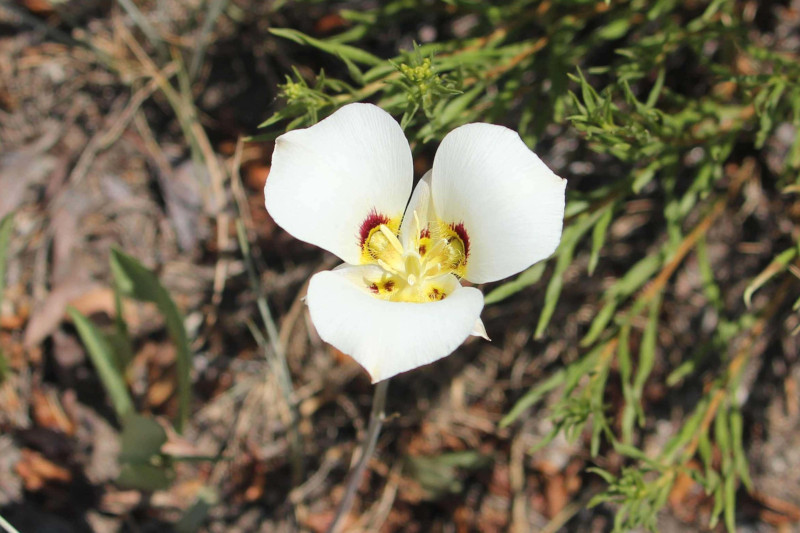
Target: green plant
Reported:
[(690, 154)]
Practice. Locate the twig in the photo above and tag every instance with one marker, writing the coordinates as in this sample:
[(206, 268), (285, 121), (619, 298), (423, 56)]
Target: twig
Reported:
[(737, 365), (117, 124), (215, 9), (8, 527), (143, 24), (278, 356), (376, 418), (380, 511), (30, 20), (683, 249), (570, 510)]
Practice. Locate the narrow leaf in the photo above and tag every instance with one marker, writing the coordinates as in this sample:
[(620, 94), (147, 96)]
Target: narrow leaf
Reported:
[(599, 236), (138, 282), (338, 49), (777, 265), (104, 362), (524, 280)]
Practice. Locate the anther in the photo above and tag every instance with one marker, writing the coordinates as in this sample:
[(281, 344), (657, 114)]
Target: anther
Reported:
[(392, 238)]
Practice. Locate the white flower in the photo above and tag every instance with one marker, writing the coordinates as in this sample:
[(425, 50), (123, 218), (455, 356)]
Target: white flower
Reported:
[(488, 209)]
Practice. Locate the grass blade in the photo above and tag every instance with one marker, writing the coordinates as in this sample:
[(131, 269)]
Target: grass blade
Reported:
[(6, 225), (104, 362)]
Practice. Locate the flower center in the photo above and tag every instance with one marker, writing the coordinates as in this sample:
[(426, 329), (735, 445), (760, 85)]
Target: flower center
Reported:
[(420, 269)]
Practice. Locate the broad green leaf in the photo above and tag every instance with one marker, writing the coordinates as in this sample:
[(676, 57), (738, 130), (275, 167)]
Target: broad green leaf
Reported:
[(143, 466), (142, 439), (194, 518), (136, 281), (439, 475), (105, 362), (145, 477), (121, 341)]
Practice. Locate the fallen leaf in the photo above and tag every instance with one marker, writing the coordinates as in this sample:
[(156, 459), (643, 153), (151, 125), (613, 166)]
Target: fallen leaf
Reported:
[(48, 413), (36, 470), (48, 316)]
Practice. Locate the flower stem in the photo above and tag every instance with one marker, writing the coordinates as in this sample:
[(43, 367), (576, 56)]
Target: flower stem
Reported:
[(376, 418)]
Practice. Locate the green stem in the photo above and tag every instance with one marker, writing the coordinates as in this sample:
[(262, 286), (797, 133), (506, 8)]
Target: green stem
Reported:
[(376, 418)]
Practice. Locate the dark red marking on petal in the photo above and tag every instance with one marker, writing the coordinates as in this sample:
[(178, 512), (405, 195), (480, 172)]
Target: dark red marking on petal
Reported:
[(388, 286), (422, 250), (373, 220), (374, 288), (425, 233), (461, 231)]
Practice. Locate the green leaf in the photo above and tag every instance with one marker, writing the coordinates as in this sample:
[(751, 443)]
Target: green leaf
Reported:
[(145, 477), (121, 341), (599, 323), (625, 370), (341, 50), (569, 241), (194, 518), (739, 455), (647, 356), (599, 236), (777, 265), (6, 226), (524, 280), (730, 503), (608, 477), (655, 92), (532, 397), (614, 29), (136, 281), (353, 70), (439, 475), (4, 367), (142, 439), (104, 361), (143, 465)]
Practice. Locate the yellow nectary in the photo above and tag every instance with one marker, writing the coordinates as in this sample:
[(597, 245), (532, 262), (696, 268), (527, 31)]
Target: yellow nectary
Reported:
[(419, 271)]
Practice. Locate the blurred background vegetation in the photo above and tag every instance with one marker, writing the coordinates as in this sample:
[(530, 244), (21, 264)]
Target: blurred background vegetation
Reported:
[(158, 370)]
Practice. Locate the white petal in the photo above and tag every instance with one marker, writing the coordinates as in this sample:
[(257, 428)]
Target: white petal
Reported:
[(326, 180), (388, 338), (479, 330), (511, 204), (421, 204)]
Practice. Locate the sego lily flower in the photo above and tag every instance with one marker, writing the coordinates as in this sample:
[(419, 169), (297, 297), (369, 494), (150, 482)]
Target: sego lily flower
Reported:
[(488, 209)]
